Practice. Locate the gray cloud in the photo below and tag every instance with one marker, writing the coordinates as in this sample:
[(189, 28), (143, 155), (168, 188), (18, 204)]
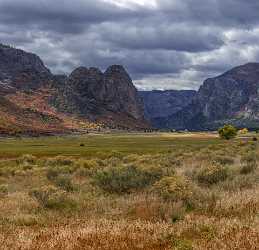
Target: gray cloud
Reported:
[(176, 44), (165, 36)]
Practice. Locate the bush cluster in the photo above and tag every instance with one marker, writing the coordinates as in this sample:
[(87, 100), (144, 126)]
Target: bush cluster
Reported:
[(174, 188), (63, 181), (249, 163), (52, 198), (124, 179), (212, 174), (227, 132)]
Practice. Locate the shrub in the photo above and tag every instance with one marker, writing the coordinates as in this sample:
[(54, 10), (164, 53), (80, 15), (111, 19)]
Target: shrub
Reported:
[(243, 131), (248, 168), (181, 244), (27, 167), (249, 158), (87, 167), (59, 161), (124, 179), (174, 188), (27, 160), (65, 183), (212, 174), (116, 154), (3, 190), (26, 220), (52, 198), (60, 180), (249, 163), (227, 132), (240, 182), (224, 160), (52, 174)]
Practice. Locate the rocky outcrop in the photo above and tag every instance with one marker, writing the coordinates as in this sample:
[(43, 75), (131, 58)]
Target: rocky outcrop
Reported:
[(161, 104), (229, 98), (21, 69), (109, 97), (33, 99)]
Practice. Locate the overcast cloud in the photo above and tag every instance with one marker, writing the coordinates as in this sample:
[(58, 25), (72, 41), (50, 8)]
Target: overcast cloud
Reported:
[(164, 44)]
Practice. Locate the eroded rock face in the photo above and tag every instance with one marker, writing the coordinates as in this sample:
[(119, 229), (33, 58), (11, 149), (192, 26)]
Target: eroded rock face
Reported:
[(161, 104), (121, 94), (94, 94), (87, 94), (21, 69), (229, 98)]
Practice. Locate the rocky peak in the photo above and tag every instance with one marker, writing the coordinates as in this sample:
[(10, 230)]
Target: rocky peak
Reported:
[(87, 92), (79, 72), (17, 60), (232, 97), (113, 69), (118, 73), (23, 69), (93, 93)]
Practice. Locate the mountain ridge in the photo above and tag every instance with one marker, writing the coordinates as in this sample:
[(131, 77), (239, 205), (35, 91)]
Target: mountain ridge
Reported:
[(32, 98), (231, 97), (160, 104)]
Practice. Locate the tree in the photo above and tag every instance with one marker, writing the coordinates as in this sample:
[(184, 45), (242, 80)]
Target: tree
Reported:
[(227, 132), (243, 131)]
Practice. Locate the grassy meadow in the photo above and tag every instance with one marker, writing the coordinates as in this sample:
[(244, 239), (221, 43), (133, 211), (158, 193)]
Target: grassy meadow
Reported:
[(129, 191)]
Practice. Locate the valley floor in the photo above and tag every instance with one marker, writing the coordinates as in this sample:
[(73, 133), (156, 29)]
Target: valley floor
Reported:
[(129, 191)]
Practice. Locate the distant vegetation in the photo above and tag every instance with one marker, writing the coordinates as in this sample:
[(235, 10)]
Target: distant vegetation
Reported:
[(227, 132)]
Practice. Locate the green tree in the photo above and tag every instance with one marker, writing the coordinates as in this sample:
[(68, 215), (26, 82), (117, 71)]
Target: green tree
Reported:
[(227, 132)]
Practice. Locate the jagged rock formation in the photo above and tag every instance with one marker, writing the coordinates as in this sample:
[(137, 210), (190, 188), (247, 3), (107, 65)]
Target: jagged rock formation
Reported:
[(33, 100), (21, 69), (161, 104), (229, 98), (109, 97)]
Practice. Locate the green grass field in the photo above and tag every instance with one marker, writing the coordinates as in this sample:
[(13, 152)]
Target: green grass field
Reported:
[(98, 145)]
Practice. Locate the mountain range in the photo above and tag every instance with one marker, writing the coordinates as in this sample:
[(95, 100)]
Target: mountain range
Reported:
[(159, 105), (35, 101), (231, 98)]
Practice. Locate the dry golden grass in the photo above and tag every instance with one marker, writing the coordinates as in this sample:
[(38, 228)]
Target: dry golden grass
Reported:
[(59, 203)]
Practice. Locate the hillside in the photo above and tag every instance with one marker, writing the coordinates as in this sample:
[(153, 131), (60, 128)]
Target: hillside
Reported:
[(34, 101), (162, 104), (232, 97)]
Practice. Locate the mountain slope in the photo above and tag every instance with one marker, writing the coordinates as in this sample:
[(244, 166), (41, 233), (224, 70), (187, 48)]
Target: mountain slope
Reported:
[(21, 69), (162, 104), (232, 97), (34, 101), (108, 97)]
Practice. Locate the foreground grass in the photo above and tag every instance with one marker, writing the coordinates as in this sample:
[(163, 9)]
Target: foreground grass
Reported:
[(157, 191)]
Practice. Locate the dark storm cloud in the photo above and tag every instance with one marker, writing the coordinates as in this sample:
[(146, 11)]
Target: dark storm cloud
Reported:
[(174, 44), (162, 36), (59, 15), (212, 12)]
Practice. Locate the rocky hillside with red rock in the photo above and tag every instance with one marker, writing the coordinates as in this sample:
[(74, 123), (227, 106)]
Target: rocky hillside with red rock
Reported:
[(109, 97), (34, 101)]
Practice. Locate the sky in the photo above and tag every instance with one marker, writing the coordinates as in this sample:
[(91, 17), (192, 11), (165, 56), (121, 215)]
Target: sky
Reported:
[(163, 44)]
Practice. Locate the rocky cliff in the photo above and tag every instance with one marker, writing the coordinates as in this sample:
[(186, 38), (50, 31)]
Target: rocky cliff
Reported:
[(161, 104), (232, 97), (108, 97), (21, 69), (34, 100)]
